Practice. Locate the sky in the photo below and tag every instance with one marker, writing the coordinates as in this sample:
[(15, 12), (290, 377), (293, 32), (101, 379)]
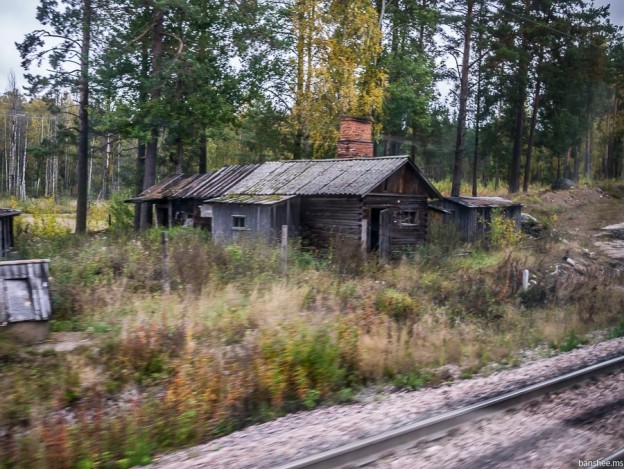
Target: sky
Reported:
[(18, 17)]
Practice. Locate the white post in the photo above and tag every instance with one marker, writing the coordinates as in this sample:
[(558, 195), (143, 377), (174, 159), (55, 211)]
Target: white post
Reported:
[(525, 279)]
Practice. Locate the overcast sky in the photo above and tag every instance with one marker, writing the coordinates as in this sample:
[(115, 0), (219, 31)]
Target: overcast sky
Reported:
[(17, 18)]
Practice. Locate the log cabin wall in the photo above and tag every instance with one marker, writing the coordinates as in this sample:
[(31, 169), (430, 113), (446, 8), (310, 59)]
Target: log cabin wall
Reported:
[(409, 219), (325, 217), (403, 181)]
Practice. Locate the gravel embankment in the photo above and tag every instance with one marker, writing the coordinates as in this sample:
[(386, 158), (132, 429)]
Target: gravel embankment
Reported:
[(584, 424), (302, 434)]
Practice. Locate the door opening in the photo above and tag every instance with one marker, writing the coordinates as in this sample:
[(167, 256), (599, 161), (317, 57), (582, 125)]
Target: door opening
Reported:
[(375, 213)]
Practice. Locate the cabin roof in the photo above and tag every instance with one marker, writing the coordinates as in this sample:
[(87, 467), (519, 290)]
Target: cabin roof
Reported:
[(8, 212), (488, 202), (195, 186), (251, 199), (342, 176)]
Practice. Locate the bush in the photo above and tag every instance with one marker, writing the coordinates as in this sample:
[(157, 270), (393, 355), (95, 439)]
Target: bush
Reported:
[(503, 231), (396, 305), (299, 365), (121, 215)]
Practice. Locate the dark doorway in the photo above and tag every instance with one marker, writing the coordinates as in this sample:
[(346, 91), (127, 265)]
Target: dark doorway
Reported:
[(374, 228), (162, 215)]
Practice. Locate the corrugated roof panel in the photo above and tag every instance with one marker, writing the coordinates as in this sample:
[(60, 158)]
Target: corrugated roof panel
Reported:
[(251, 199), (362, 178), (492, 202), (252, 181), (355, 176), (196, 186), (303, 177), (158, 190), (277, 175), (223, 180)]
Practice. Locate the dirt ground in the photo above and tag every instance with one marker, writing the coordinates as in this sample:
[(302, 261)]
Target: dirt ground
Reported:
[(578, 217)]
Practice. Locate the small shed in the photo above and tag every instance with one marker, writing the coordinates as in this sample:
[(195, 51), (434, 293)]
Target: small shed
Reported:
[(6, 230), (25, 306), (177, 198), (473, 215)]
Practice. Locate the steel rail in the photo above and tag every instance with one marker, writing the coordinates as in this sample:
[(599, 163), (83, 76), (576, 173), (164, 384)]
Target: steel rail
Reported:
[(375, 447), (617, 456)]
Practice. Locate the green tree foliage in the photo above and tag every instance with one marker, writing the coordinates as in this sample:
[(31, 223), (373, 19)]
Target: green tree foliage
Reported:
[(409, 63), (138, 89)]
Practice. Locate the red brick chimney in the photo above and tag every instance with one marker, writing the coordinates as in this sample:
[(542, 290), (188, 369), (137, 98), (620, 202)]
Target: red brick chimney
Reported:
[(356, 137)]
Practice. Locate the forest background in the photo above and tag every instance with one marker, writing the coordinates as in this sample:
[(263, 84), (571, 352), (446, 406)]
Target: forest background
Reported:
[(123, 92)]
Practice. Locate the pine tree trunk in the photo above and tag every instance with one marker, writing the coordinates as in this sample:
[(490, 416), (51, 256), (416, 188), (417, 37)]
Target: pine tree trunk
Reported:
[(83, 121), (151, 152), (519, 102), (463, 105), (140, 170), (529, 153)]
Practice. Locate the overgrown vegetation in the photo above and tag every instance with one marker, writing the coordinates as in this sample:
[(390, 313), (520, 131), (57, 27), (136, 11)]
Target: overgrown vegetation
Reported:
[(236, 343)]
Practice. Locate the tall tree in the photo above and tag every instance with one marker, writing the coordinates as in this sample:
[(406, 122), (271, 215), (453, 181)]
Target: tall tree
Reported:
[(65, 42), (464, 28)]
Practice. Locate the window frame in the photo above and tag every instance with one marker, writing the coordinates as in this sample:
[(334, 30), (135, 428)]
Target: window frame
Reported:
[(407, 216), (239, 227)]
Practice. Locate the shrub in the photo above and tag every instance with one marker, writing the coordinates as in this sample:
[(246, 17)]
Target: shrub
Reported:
[(617, 331), (121, 215), (397, 305), (299, 365), (503, 231), (569, 342)]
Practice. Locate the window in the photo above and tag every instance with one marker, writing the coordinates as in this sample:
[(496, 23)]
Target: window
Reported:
[(238, 222), (409, 218)]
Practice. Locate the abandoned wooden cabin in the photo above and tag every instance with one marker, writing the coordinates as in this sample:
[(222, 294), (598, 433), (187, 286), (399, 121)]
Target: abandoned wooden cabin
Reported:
[(373, 203), (472, 216), (25, 306), (6, 230)]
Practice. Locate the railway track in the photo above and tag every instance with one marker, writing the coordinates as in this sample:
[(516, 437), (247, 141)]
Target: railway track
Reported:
[(376, 447)]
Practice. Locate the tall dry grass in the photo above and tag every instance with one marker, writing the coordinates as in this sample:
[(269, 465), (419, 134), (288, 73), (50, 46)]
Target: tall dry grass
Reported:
[(235, 342)]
